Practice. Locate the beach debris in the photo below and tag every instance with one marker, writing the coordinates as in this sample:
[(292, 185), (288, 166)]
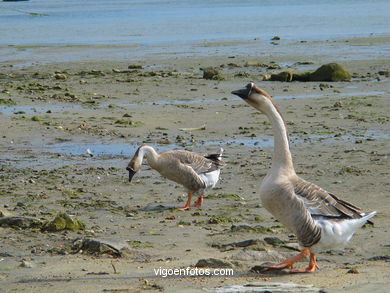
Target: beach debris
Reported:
[(203, 127), (99, 246), (4, 213), (134, 66), (89, 152), (26, 263), (62, 222), (331, 72), (254, 244), (265, 287), (353, 271), (20, 222), (275, 38), (213, 263), (113, 248), (212, 73)]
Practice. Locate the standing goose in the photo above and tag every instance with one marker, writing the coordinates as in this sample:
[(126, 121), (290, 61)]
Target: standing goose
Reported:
[(197, 173), (319, 219)]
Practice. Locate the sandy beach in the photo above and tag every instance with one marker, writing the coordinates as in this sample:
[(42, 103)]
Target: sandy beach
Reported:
[(52, 113)]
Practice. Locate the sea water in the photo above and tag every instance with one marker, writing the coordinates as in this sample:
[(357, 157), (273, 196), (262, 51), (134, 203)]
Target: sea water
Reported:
[(177, 23)]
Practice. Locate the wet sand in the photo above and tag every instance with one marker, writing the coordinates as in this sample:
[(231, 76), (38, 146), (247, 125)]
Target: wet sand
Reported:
[(52, 113)]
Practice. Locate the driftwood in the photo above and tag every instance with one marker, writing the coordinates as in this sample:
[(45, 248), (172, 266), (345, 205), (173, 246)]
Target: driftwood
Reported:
[(203, 127)]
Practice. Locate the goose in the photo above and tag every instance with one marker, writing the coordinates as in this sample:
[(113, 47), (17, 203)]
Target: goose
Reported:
[(197, 173), (319, 219)]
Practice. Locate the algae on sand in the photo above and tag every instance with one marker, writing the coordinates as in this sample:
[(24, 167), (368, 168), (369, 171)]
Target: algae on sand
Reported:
[(64, 222)]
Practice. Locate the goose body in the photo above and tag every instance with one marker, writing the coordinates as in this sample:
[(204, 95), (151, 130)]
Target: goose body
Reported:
[(319, 218), (196, 173)]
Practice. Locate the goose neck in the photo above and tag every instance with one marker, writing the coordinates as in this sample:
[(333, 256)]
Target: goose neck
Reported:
[(282, 160), (150, 154)]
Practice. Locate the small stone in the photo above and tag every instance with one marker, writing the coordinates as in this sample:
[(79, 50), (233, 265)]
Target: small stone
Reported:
[(353, 271)]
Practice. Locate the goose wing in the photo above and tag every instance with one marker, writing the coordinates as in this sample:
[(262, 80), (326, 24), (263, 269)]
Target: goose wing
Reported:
[(321, 203), (200, 164)]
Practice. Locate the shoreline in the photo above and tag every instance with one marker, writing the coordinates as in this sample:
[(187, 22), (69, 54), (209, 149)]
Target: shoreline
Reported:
[(363, 48)]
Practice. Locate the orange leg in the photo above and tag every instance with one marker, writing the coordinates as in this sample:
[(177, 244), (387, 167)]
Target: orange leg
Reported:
[(199, 201), (312, 265), (288, 263), (188, 203)]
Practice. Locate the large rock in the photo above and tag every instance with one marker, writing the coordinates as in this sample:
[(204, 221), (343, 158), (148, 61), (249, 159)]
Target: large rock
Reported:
[(328, 72)]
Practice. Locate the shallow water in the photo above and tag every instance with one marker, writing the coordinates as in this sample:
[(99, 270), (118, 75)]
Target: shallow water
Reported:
[(67, 107), (125, 149)]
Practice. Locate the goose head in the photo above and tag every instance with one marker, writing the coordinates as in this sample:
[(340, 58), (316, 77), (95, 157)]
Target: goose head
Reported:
[(135, 164), (255, 97)]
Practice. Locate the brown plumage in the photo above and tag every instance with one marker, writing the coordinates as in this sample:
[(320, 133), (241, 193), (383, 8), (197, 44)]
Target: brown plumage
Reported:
[(195, 172), (319, 218)]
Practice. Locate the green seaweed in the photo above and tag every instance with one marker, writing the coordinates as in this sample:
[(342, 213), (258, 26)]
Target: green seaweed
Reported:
[(64, 222), (7, 102)]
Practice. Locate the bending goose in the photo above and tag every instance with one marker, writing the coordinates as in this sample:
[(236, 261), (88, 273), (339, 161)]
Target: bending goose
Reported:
[(319, 219), (197, 173)]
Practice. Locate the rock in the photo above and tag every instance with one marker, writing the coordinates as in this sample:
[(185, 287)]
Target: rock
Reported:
[(282, 76), (212, 73), (353, 271), (254, 244), (60, 76), (20, 222), (274, 241), (380, 257), (275, 38), (330, 72), (213, 263), (64, 222)]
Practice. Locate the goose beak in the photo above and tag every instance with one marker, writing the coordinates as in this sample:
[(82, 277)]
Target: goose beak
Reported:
[(244, 93), (131, 173)]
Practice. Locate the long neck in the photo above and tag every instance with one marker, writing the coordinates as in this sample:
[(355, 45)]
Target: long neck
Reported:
[(150, 154), (281, 161)]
